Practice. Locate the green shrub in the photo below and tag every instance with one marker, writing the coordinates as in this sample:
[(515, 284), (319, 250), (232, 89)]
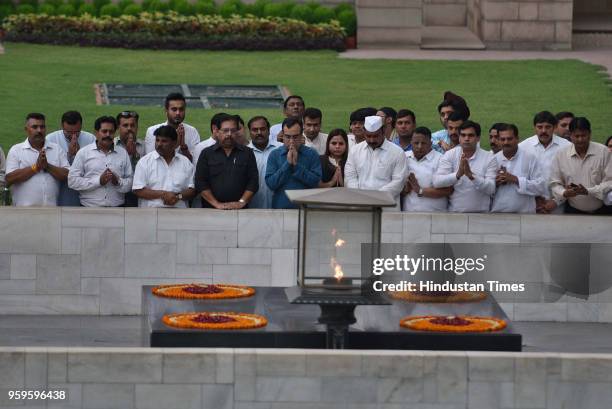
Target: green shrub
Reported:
[(124, 3), (32, 3), (257, 8), (55, 3), (323, 15), (313, 5), (76, 3), (132, 10), (25, 9), (278, 9), (342, 7), (66, 10), (98, 4), (184, 7), (348, 20), (173, 31), (205, 7), (159, 6), (227, 9), (6, 10), (302, 12), (86, 8), (110, 10), (46, 8)]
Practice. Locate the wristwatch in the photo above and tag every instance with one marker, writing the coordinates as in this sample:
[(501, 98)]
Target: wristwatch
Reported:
[(242, 201), (179, 196), (420, 194)]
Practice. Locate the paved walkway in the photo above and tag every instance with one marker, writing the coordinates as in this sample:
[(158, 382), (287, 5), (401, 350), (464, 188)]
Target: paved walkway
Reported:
[(595, 56)]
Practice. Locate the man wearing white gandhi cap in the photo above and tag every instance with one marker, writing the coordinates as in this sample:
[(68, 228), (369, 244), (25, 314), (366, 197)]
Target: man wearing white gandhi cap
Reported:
[(376, 163)]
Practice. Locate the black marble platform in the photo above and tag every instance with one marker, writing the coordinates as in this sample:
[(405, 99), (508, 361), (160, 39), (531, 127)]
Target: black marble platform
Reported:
[(296, 326)]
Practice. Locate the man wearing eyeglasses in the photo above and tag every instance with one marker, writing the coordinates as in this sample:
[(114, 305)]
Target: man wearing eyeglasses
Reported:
[(292, 166), (70, 138), (226, 173)]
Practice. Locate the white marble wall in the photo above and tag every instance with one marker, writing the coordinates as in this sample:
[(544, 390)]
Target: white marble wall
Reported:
[(306, 379), (94, 261)]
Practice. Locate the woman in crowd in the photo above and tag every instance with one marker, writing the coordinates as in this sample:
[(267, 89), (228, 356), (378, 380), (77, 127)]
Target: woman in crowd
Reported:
[(332, 163)]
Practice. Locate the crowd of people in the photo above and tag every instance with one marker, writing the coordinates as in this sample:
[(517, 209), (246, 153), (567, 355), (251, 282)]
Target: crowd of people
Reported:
[(250, 165)]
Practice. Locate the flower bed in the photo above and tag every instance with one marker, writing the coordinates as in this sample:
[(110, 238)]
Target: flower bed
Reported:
[(174, 31)]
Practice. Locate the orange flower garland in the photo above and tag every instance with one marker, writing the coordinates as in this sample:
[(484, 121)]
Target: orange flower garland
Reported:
[(416, 296), (215, 320), (457, 324), (203, 291)]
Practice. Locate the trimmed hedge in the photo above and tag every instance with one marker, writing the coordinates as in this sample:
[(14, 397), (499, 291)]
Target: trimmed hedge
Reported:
[(173, 31)]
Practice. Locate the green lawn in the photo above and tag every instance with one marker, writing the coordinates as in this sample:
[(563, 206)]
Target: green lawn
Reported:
[(53, 79)]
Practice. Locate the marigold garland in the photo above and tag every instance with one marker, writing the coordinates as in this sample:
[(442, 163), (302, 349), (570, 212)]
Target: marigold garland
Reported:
[(182, 291), (215, 321), (454, 324)]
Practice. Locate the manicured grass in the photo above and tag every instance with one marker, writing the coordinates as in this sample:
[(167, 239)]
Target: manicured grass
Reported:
[(52, 80)]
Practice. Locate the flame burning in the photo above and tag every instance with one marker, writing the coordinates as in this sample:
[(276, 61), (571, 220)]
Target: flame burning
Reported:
[(338, 273), (336, 267)]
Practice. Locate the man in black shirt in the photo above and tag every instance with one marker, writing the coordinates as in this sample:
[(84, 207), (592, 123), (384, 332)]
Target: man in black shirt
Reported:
[(226, 173)]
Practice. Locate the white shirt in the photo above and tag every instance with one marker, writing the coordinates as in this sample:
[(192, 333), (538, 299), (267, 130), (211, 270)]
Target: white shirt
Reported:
[(352, 141), (192, 138), (383, 168), (153, 172), (424, 170), (275, 130), (469, 195), (58, 137), (512, 198), (263, 198), (319, 143), (544, 155), (84, 176), (41, 189)]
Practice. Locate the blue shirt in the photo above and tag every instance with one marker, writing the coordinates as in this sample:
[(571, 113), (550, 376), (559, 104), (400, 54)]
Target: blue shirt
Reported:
[(281, 176), (67, 196), (441, 135), (263, 197), (396, 141)]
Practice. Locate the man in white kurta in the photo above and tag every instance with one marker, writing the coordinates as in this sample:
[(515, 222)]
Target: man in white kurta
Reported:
[(376, 163), (423, 162), (164, 178), (470, 170), (545, 145), (101, 172), (36, 167), (188, 136), (519, 176)]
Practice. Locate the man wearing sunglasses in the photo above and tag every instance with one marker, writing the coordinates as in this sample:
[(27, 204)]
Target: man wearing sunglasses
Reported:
[(71, 138)]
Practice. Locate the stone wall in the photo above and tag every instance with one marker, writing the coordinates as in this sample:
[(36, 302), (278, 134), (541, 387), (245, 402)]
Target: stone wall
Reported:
[(95, 261), (395, 23), (306, 379), (444, 12), (524, 24), (593, 6)]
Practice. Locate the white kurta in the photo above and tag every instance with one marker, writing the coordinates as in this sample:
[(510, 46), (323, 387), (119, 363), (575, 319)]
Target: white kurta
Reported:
[(469, 195), (424, 170), (512, 198)]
